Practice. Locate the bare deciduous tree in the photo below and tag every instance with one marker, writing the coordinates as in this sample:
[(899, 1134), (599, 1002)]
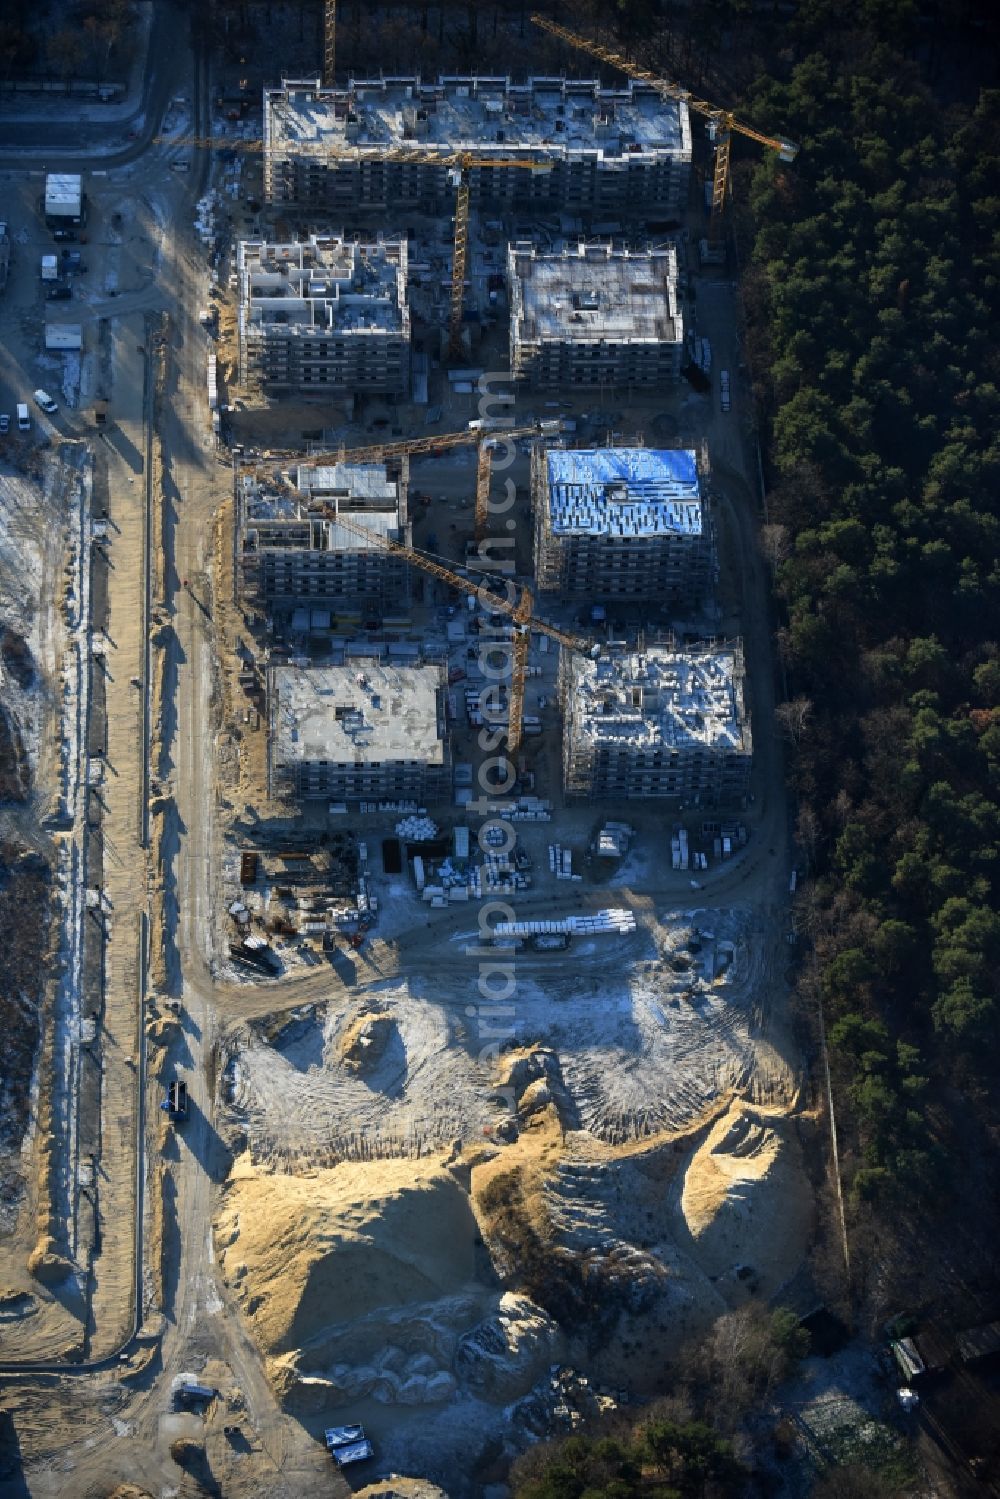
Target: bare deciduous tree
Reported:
[(807, 832), (774, 544), (793, 717), (66, 54)]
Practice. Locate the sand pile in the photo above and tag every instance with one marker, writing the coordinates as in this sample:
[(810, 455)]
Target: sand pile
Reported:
[(401, 1488), (359, 1281), (745, 1198), (364, 1042), (311, 1251)]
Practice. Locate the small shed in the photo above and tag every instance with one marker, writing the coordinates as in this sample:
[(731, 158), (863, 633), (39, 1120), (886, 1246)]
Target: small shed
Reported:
[(979, 1343), (63, 338)]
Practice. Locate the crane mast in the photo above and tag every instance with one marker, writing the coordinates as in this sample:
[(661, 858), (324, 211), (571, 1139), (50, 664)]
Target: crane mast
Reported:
[(520, 612), (460, 165), (381, 452), (329, 41), (722, 122)]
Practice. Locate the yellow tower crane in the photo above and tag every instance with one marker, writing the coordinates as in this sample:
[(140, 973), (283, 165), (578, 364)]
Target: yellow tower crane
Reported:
[(329, 41), (722, 122), (381, 451), (520, 611), (459, 164)]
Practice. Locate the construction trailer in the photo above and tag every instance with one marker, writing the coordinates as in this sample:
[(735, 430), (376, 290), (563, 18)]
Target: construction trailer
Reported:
[(324, 315), (339, 1437), (621, 523), (610, 152), (593, 315), (65, 203), (657, 724), (359, 732), (63, 338), (293, 554)]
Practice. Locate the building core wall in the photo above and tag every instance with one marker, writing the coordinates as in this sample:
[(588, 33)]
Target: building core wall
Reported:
[(662, 725), (607, 152), (324, 313), (291, 551), (594, 316)]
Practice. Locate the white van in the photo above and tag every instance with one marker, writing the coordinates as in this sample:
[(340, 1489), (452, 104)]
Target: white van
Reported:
[(23, 418), (44, 400)]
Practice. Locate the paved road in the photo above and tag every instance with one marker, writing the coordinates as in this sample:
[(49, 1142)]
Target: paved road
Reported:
[(83, 145)]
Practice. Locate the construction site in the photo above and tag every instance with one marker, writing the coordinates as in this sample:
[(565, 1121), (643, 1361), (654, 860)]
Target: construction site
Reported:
[(618, 523), (599, 151), (594, 315), (661, 724), (324, 313), (442, 1081), (293, 555)]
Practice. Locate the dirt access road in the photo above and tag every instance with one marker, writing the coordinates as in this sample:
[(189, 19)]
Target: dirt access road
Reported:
[(84, 1430)]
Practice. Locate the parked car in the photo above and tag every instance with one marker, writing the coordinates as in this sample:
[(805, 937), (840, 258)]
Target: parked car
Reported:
[(725, 399), (4, 424), (67, 234), (59, 293), (44, 400)]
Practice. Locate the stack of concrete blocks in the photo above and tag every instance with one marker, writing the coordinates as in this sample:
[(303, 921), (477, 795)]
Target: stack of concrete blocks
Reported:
[(611, 920)]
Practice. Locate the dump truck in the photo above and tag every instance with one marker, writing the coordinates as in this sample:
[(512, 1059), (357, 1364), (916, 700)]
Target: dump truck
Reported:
[(191, 1393), (176, 1101), (343, 1436), (348, 1444), (357, 1452)]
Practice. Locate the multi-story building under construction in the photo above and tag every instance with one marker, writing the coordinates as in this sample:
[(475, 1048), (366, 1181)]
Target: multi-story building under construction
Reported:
[(658, 724), (594, 316), (608, 153), (366, 731), (293, 555), (620, 523), (324, 315)]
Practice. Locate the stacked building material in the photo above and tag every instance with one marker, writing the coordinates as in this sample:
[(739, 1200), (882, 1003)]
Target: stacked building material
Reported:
[(417, 829), (611, 920)]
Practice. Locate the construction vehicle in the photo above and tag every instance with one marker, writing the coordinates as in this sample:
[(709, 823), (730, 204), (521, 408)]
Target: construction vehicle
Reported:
[(343, 1436), (460, 165), (722, 123), (383, 451), (520, 611), (176, 1102)]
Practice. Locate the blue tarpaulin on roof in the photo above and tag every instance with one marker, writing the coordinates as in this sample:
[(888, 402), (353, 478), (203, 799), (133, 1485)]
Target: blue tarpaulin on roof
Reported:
[(624, 491)]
